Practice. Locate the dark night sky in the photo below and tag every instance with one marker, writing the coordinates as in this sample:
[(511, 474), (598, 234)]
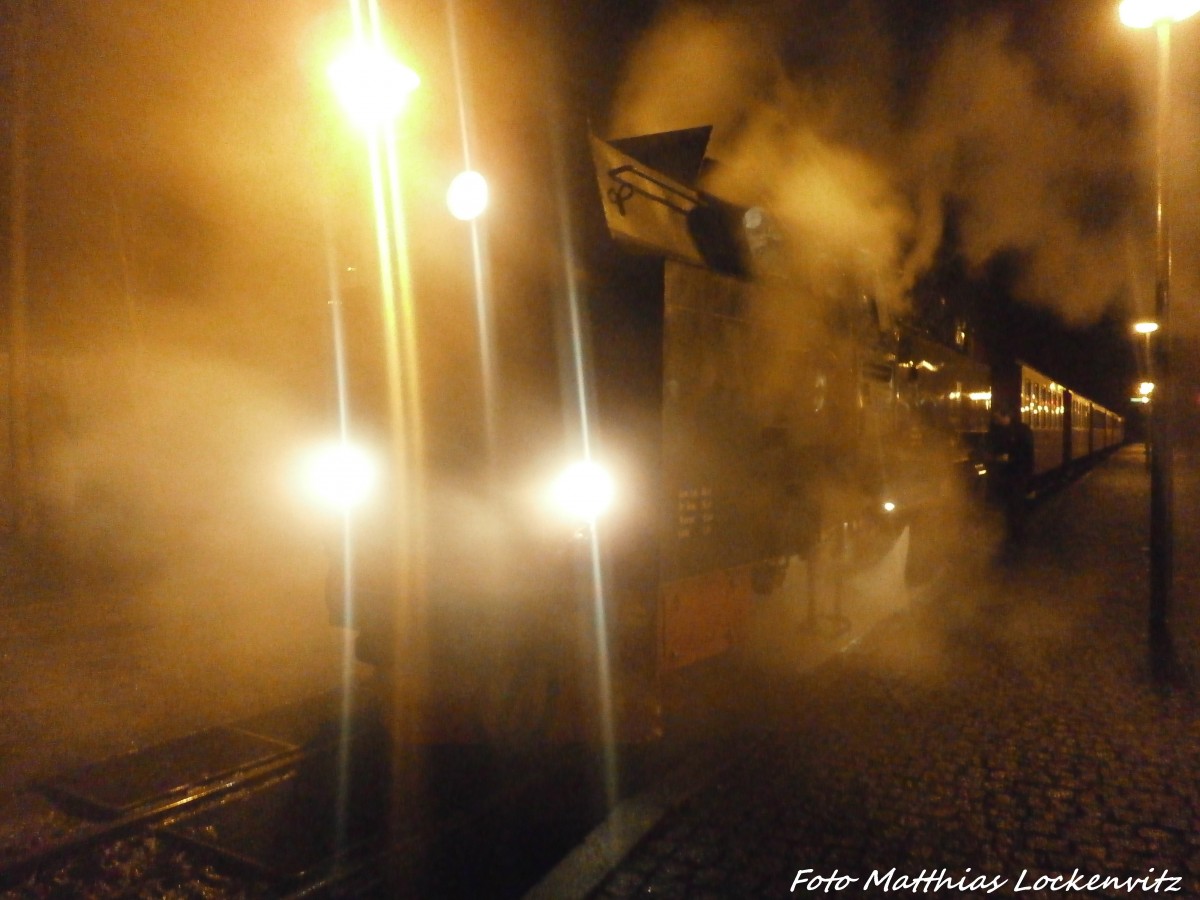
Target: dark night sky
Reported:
[(1017, 134), (182, 155)]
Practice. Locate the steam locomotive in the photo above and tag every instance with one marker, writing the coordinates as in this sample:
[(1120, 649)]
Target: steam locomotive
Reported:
[(645, 417)]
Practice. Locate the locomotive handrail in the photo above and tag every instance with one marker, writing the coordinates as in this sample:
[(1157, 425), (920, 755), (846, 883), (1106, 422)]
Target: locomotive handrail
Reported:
[(626, 190)]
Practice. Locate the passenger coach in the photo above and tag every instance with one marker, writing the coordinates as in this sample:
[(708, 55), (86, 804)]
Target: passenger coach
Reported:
[(1069, 429)]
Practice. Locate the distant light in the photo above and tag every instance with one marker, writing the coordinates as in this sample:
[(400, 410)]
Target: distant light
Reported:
[(372, 86), (467, 196), (1139, 399), (1146, 388), (1145, 327), (1146, 13), (889, 506), (980, 396)]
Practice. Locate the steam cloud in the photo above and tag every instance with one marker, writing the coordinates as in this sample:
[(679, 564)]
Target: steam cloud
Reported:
[(862, 143)]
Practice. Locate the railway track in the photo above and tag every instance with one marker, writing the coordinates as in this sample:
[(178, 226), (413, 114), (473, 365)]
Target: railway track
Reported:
[(259, 808), (295, 804)]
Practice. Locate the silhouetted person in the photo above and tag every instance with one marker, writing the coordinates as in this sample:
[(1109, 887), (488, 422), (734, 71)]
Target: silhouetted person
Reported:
[(1010, 447)]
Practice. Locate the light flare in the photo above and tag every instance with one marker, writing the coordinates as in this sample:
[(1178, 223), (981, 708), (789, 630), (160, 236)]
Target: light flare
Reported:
[(479, 268), (403, 393), (1147, 13), (348, 600), (582, 378)]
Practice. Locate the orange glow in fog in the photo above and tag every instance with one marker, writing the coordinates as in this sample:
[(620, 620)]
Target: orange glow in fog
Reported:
[(374, 88)]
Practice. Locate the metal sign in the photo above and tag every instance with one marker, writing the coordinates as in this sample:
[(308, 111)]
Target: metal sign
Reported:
[(645, 207)]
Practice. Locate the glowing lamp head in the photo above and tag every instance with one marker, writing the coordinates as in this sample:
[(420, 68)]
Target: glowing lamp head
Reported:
[(1146, 327), (1146, 388), (341, 476), (1147, 13), (584, 491), (889, 506), (372, 86), (467, 196)]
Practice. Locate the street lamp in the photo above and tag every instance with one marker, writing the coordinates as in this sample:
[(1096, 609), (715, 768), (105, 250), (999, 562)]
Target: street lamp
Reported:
[(372, 86), (1145, 329), (1161, 14)]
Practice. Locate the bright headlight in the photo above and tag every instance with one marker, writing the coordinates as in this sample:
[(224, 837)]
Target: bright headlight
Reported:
[(467, 196), (341, 475), (585, 490)]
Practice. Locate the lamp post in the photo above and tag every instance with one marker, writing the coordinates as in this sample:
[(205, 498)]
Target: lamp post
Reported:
[(1161, 14)]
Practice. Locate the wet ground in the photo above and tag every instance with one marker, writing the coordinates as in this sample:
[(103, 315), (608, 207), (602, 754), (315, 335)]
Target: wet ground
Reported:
[(1006, 722), (1005, 738), (93, 668)]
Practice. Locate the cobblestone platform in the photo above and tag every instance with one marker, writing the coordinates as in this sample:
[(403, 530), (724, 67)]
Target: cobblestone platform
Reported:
[(1004, 738)]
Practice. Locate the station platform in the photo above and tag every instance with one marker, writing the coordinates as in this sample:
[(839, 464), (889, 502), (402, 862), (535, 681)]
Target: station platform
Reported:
[(1005, 736)]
